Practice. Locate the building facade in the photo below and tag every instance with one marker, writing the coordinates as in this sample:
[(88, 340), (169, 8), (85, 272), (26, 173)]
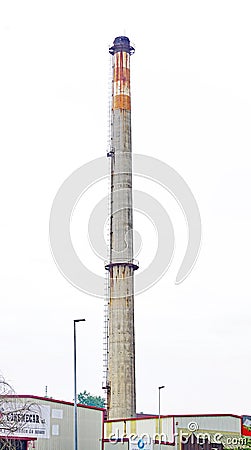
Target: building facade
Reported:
[(41, 423), (189, 432)]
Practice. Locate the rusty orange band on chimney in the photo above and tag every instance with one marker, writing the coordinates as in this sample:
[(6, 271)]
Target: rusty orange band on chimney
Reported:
[(121, 81)]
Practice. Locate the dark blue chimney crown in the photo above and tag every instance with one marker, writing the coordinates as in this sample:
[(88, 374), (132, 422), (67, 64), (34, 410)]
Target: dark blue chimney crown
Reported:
[(121, 44)]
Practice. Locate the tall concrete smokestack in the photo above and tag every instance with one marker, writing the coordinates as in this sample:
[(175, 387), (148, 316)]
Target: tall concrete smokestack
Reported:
[(121, 395)]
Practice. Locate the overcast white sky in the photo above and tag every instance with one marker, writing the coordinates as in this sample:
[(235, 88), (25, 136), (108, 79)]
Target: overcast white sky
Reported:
[(191, 99)]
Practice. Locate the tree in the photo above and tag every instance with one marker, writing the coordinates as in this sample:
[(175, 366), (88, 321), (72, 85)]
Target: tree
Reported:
[(13, 412), (85, 398)]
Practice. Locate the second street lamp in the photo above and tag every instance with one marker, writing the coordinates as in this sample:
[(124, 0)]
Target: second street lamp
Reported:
[(159, 388)]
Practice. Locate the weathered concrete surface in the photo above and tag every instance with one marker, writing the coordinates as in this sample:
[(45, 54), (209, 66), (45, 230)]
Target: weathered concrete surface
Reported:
[(121, 345), (121, 359)]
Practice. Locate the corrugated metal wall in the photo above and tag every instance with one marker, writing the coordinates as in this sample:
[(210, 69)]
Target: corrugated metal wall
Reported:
[(173, 430), (223, 423), (54, 427)]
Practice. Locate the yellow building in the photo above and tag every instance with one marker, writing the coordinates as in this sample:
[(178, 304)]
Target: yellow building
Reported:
[(200, 432)]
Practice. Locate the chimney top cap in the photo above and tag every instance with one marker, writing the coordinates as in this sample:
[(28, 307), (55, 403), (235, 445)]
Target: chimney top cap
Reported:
[(121, 44)]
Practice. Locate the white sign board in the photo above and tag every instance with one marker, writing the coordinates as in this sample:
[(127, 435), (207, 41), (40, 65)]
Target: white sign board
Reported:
[(25, 419), (138, 444)]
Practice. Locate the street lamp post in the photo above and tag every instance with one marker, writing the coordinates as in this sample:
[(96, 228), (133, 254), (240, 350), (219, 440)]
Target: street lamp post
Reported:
[(159, 388), (75, 387)]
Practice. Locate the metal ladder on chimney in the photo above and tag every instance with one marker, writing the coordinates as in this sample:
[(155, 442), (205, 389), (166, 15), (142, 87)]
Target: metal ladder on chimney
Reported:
[(105, 384), (106, 334)]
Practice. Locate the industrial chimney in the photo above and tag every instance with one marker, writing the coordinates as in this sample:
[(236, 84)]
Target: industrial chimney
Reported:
[(121, 397)]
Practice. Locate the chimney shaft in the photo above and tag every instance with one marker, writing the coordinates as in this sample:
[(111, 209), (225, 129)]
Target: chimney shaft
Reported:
[(121, 359)]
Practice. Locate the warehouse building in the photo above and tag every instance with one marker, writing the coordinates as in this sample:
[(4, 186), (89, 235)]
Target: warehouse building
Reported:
[(197, 432), (42, 423)]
